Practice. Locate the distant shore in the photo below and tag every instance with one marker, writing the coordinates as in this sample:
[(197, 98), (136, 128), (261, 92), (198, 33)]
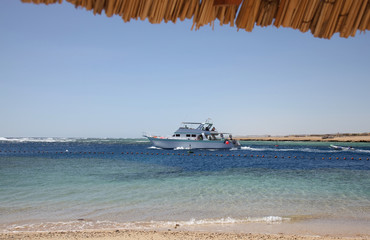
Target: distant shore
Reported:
[(162, 235), (345, 137)]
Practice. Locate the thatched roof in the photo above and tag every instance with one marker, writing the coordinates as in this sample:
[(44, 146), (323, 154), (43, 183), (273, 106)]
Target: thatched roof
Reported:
[(322, 17)]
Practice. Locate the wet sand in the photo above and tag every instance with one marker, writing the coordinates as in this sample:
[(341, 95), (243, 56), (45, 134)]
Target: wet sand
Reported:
[(300, 230), (162, 235)]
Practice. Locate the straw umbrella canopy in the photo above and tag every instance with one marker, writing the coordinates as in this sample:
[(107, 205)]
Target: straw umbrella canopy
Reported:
[(323, 18)]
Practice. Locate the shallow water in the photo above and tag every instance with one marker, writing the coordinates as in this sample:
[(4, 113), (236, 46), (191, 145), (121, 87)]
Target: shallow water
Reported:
[(72, 184)]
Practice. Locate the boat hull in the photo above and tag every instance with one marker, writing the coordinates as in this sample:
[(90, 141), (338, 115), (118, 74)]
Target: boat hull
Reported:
[(192, 144)]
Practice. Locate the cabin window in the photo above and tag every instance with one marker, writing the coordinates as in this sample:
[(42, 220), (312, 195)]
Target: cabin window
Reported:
[(177, 135), (187, 135), (193, 135)]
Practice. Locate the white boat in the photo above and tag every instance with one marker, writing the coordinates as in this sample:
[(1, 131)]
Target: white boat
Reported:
[(194, 135)]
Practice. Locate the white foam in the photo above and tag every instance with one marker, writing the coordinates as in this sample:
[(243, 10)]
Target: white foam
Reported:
[(274, 149), (254, 149), (83, 224), (277, 149), (362, 151), (221, 221), (153, 147), (182, 148), (269, 219)]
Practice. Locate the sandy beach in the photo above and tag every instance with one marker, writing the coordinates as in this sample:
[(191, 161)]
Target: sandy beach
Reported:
[(161, 235), (297, 230), (364, 137)]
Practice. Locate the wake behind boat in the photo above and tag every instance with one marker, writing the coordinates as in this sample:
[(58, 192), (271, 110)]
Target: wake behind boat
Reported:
[(340, 148), (193, 135)]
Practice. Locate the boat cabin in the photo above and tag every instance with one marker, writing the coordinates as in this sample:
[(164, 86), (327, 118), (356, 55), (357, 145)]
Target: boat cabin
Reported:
[(198, 131)]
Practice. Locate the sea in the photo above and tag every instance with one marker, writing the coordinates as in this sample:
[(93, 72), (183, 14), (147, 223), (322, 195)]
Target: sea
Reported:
[(70, 184)]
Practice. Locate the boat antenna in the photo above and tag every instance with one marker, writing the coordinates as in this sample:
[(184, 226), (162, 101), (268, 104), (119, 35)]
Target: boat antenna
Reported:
[(209, 120)]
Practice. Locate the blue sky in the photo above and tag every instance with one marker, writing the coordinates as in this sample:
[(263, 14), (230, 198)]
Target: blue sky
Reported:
[(67, 73)]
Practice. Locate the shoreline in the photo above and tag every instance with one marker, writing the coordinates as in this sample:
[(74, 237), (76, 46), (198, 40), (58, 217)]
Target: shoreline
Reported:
[(299, 229), (365, 137), (168, 235)]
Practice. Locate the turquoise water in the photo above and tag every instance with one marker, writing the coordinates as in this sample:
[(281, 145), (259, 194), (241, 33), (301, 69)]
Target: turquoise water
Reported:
[(72, 184)]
